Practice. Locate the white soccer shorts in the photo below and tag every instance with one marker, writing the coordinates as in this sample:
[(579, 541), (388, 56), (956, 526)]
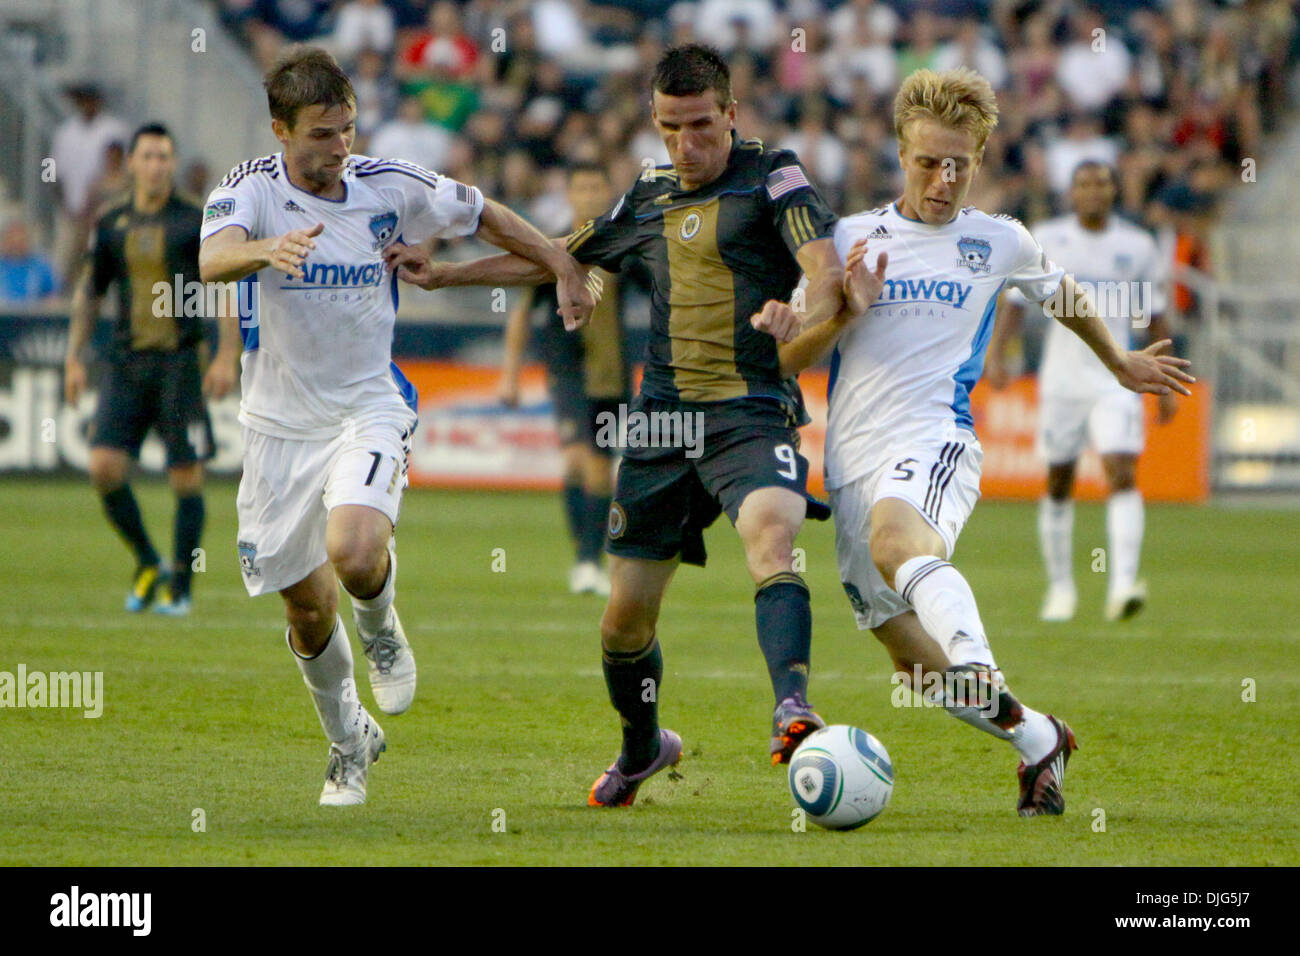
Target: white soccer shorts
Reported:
[(942, 482), (289, 488), (1111, 423)]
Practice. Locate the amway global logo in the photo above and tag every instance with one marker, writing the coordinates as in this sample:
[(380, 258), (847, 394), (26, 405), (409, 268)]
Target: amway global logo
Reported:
[(103, 909), (926, 290), (340, 275)]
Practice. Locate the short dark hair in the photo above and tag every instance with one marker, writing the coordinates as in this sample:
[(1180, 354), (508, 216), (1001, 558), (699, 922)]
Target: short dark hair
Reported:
[(692, 69), (1089, 164), (587, 166), (305, 76), (150, 129)]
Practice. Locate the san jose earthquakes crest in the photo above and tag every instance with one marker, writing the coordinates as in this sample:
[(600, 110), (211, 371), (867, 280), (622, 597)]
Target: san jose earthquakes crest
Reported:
[(382, 228), (974, 253)]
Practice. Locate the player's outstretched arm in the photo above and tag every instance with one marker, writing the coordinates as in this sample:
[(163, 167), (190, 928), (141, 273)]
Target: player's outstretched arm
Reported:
[(229, 255), (824, 297), (1145, 370), (415, 264), (1006, 329), (509, 231), (799, 350)]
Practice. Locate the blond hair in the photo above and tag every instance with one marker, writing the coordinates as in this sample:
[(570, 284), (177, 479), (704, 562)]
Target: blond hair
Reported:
[(961, 99)]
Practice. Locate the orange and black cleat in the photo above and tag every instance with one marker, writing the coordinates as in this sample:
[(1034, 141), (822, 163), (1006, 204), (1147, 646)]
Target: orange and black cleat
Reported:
[(792, 721)]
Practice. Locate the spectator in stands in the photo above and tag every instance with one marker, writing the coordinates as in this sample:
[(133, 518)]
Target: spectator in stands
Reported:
[(78, 151), (362, 25), (26, 277), (922, 49), (972, 48), (1094, 67), (276, 22), (376, 90), (443, 51), (1083, 139), (412, 138)]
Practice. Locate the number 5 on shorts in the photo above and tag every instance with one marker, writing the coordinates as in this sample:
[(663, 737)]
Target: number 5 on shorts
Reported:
[(785, 455), (902, 472)]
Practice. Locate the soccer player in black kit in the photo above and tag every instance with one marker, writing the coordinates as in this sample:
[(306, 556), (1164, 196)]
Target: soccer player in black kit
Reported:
[(725, 233), (149, 237)]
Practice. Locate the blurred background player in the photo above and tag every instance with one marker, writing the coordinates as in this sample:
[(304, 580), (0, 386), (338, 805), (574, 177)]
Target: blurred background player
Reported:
[(588, 374), (1080, 402), (327, 417), (153, 378)]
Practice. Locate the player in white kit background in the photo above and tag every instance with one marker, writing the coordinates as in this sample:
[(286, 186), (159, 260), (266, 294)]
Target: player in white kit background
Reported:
[(1080, 403), (902, 459), (326, 416)]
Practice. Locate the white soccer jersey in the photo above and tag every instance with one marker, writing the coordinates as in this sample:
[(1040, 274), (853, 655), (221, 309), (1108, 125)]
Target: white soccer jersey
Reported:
[(1120, 268), (318, 350), (901, 376)]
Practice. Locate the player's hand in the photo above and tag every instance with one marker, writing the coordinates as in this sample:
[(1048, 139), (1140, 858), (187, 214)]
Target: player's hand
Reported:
[(414, 265), (996, 373), (1166, 406), (1149, 371), (74, 379), (221, 376), (508, 391), (290, 251), (576, 299), (778, 320), (862, 287)]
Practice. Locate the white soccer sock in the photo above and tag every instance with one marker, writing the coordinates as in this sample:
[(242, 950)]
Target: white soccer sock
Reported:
[(1056, 539), (333, 688), (1124, 526), (372, 613), (946, 606)]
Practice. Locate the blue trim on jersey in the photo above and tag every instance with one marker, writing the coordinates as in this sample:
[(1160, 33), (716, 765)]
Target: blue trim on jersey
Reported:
[(371, 171), (404, 386), (248, 324), (835, 373), (394, 277), (969, 372)]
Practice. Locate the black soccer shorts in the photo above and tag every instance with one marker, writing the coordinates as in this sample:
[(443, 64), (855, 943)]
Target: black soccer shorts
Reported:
[(667, 496), (159, 390)]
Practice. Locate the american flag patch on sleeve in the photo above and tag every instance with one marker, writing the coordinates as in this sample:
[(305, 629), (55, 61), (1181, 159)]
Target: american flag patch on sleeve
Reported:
[(785, 180), (463, 194)]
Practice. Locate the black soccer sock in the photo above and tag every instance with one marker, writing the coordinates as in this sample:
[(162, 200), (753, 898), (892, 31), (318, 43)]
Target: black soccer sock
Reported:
[(124, 514), (633, 681), (575, 505), (783, 612), (189, 530), (593, 529)]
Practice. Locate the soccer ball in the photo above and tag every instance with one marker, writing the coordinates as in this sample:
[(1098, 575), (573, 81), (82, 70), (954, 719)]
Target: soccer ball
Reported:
[(841, 777)]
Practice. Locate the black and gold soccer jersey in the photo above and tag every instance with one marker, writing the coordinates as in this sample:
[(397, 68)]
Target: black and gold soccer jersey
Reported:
[(138, 250), (715, 255)]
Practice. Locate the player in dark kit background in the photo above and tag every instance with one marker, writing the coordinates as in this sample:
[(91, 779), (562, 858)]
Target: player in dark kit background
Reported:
[(154, 378), (588, 376), (725, 233)]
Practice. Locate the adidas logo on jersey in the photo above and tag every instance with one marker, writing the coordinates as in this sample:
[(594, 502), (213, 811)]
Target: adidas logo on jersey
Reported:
[(881, 233), (292, 206)]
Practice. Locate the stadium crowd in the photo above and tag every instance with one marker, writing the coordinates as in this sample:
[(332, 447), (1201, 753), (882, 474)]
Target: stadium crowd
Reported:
[(1177, 94)]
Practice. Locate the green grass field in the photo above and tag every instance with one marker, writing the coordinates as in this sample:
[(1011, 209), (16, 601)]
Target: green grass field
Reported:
[(210, 713)]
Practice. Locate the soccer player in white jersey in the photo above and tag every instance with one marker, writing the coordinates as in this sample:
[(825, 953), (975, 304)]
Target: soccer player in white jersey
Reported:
[(326, 416), (902, 459), (1080, 403)]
